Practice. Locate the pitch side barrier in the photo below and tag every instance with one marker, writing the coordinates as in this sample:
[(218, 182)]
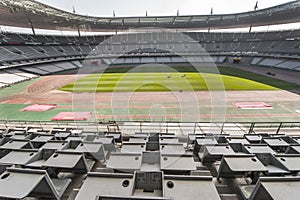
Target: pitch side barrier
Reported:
[(179, 128)]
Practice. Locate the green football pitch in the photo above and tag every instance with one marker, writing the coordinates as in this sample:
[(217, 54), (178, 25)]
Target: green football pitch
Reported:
[(230, 79)]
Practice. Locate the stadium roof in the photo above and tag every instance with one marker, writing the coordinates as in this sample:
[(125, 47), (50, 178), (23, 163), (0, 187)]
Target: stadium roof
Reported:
[(30, 13)]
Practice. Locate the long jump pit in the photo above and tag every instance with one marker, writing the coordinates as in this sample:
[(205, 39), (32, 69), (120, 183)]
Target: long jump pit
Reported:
[(252, 105), (39, 108), (72, 116)]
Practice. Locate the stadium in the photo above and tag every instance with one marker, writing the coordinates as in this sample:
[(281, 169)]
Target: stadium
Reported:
[(149, 107)]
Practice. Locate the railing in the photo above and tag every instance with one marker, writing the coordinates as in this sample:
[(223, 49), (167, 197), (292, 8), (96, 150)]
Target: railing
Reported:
[(131, 127)]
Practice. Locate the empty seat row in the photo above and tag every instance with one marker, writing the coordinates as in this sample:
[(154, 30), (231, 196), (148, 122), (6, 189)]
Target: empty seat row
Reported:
[(76, 164)]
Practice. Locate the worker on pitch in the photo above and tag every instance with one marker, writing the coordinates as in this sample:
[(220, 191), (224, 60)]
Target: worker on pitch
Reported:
[(182, 76)]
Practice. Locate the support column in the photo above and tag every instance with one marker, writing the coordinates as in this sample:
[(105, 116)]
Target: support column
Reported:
[(79, 34), (31, 25)]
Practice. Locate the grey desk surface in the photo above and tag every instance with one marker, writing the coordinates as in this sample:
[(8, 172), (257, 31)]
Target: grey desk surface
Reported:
[(237, 140), (104, 140), (20, 137), (76, 131), (177, 163), (253, 138), (141, 135), (42, 138), (138, 139), (133, 148), (18, 157), (177, 149), (203, 141), (37, 164), (196, 189), (219, 150), (14, 144), (18, 185), (34, 130), (73, 138), (193, 137), (244, 164), (57, 145), (282, 190), (89, 147), (63, 160), (17, 132), (20, 128), (255, 149), (125, 161), (274, 142), (62, 135), (292, 163), (96, 185), (168, 140), (114, 135), (275, 170)]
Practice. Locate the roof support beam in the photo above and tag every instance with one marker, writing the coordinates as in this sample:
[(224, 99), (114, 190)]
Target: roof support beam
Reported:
[(31, 25), (78, 30)]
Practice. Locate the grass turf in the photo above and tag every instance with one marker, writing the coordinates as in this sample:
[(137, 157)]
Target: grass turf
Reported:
[(155, 82), (154, 79)]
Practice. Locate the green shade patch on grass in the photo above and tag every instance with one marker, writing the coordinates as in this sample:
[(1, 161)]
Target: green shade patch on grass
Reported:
[(16, 88)]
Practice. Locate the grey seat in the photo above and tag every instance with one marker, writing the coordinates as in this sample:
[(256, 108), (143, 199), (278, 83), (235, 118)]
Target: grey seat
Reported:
[(21, 183)]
